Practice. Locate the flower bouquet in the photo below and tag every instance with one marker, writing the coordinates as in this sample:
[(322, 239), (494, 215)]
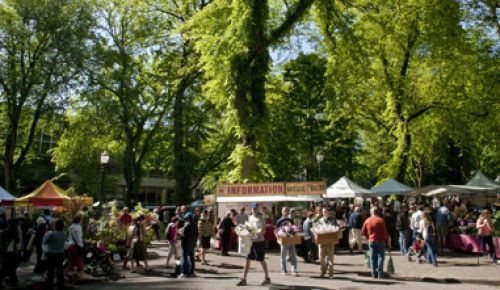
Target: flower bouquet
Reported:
[(289, 235), (248, 231), (325, 234)]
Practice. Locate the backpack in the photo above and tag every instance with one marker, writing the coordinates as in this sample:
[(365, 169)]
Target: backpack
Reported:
[(169, 232)]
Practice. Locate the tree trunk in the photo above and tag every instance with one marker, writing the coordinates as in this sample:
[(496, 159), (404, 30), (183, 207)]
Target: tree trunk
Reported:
[(9, 150), (181, 174), (128, 168), (405, 152)]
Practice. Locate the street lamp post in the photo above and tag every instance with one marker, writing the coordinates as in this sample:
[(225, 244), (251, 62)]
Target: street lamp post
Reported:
[(104, 160), (320, 157)]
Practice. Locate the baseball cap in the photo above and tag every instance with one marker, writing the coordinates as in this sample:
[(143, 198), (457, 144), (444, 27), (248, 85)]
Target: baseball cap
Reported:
[(188, 215), (254, 205)]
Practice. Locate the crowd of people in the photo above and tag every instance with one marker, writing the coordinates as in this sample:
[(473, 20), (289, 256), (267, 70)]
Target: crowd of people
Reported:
[(415, 227)]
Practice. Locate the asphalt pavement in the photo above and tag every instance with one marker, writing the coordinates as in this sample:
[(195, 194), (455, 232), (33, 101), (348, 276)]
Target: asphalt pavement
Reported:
[(455, 271)]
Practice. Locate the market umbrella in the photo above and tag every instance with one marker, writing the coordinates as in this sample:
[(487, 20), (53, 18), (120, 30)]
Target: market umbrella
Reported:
[(391, 186), (6, 198), (48, 194), (197, 203), (346, 188)]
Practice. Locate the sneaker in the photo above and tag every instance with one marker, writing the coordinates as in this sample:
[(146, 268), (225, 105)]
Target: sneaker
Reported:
[(295, 274), (242, 282), (284, 273), (322, 275), (181, 276), (266, 282)]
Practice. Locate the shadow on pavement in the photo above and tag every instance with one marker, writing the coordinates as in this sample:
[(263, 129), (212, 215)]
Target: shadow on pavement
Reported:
[(295, 287), (229, 266)]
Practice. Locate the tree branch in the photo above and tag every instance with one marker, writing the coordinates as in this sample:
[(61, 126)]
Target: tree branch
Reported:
[(292, 17)]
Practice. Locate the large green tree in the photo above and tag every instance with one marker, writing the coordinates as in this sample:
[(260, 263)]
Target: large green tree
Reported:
[(234, 39), (41, 51), (129, 77)]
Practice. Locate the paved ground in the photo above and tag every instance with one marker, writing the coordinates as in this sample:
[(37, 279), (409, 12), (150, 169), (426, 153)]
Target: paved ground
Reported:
[(455, 271)]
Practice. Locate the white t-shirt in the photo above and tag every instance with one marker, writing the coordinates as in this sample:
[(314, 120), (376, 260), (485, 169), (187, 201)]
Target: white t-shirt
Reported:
[(258, 222), (415, 220)]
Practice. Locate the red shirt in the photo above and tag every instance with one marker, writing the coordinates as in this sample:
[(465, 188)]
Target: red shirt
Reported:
[(125, 219), (374, 230)]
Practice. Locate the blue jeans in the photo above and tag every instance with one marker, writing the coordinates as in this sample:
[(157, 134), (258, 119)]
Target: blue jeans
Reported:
[(293, 257), (403, 241), (377, 254), (413, 235), (187, 261), (430, 250)]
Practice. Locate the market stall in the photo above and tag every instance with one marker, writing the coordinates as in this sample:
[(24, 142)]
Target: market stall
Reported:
[(469, 243), (6, 199), (346, 188), (391, 186), (235, 196), (48, 194)]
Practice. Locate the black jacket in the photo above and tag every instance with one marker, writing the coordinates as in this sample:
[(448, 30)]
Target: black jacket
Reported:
[(190, 235)]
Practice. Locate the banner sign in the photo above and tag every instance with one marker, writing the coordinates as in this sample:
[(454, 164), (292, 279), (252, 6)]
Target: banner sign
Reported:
[(305, 188), (250, 189), (277, 188)]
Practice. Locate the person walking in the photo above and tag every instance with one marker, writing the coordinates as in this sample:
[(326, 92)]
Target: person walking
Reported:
[(171, 236), (138, 251), (225, 227), (286, 221), (205, 232), (375, 231), (403, 227), (189, 235), (40, 229), (10, 249), (428, 231), (415, 222), (310, 254), (355, 224), (257, 252), (326, 250), (54, 245), (484, 227), (443, 220), (75, 256)]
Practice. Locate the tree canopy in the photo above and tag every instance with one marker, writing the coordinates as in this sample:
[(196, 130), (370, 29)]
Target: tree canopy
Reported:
[(193, 90)]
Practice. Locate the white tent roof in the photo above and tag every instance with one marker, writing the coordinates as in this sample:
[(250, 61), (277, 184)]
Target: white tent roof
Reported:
[(346, 188), (391, 186), (481, 180), (430, 190), (4, 195)]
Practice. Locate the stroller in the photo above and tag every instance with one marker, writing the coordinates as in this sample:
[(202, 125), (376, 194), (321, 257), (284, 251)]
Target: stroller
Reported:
[(99, 264), (417, 250)]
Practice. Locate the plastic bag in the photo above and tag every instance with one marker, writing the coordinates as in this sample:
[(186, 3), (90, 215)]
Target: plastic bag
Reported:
[(390, 265), (366, 256)]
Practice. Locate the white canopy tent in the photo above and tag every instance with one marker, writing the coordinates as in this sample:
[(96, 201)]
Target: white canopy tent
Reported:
[(346, 188), (478, 184), (391, 186)]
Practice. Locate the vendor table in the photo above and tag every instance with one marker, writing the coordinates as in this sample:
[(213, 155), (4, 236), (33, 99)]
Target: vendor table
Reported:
[(468, 243)]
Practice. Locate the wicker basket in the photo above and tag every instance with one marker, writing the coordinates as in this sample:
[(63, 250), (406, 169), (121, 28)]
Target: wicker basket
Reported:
[(327, 238), (289, 240)]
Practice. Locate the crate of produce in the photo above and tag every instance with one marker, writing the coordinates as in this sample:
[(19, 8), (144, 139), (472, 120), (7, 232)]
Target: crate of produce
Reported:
[(327, 238), (289, 239)]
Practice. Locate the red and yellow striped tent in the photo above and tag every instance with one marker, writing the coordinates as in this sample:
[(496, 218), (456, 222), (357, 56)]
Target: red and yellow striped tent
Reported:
[(48, 194)]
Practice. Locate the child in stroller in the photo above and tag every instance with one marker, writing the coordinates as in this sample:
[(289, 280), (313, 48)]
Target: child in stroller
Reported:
[(417, 249), (100, 258)]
